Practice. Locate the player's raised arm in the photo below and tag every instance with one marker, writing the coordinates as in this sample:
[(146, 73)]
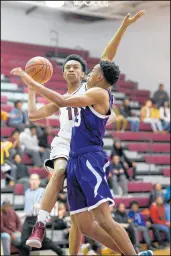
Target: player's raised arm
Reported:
[(36, 114), (93, 96), (111, 49)]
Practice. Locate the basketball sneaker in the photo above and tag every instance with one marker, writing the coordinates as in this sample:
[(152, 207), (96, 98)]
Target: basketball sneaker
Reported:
[(37, 235), (146, 253)]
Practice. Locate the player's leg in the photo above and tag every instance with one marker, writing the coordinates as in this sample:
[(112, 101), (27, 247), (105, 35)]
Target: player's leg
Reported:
[(89, 227), (75, 237), (54, 186), (48, 201), (115, 230)]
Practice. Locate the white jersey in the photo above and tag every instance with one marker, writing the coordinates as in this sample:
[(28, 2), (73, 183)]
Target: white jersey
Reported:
[(67, 116)]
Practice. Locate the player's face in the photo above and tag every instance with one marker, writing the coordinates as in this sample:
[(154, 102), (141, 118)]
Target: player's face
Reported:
[(94, 76), (73, 72)]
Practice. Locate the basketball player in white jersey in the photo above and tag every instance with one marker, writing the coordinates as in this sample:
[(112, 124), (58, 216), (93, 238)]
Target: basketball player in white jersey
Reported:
[(73, 71)]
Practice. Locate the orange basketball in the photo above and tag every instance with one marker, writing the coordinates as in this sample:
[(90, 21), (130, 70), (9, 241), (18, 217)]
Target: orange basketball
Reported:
[(40, 69)]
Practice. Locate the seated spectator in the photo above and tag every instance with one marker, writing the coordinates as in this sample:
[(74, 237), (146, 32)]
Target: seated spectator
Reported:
[(18, 118), (158, 216), (160, 96), (155, 116), (143, 226), (32, 200), (21, 176), (165, 116), (126, 112), (16, 146), (5, 148), (157, 191), (120, 121), (118, 150), (148, 117), (43, 139), (121, 217), (29, 140), (118, 177), (10, 227), (61, 221), (4, 117), (7, 166)]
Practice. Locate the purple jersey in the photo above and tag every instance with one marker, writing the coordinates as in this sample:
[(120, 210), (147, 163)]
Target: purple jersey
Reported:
[(88, 166), (89, 127)]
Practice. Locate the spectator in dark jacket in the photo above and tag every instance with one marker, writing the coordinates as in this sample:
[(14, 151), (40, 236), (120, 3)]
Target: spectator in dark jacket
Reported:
[(21, 176), (160, 96), (125, 111), (43, 139), (117, 176), (16, 146), (61, 221), (118, 150), (121, 217), (157, 191)]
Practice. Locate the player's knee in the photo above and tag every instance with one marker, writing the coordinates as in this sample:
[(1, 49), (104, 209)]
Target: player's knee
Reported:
[(59, 168), (59, 171), (103, 220)]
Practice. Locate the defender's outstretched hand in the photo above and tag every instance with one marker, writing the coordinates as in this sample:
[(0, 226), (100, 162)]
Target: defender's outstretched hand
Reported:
[(128, 20)]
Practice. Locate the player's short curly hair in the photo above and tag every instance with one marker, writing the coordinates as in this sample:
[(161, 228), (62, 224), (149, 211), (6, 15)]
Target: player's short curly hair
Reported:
[(110, 71), (77, 58)]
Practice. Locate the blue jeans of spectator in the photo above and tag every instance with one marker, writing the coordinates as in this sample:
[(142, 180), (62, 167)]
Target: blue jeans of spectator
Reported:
[(6, 242), (135, 123), (166, 126), (156, 124), (164, 229)]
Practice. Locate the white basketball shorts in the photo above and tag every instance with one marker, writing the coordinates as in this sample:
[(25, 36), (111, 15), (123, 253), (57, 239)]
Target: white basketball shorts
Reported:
[(60, 148)]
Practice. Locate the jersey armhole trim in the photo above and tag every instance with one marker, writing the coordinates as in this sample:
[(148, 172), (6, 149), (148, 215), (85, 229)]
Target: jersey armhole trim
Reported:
[(98, 114)]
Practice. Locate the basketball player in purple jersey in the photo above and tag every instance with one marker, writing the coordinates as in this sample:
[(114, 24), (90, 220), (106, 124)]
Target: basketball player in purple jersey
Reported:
[(99, 102), (87, 169)]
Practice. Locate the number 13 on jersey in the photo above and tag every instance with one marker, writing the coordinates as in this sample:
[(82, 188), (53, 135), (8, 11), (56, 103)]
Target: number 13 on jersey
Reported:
[(76, 115)]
